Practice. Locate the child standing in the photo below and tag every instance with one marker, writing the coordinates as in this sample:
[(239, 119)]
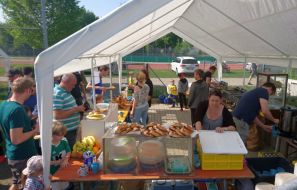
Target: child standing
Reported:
[(172, 92), (182, 87), (60, 153), (33, 171)]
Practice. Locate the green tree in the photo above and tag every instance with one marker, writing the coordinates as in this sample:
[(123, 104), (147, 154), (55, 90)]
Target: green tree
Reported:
[(64, 17), (6, 40)]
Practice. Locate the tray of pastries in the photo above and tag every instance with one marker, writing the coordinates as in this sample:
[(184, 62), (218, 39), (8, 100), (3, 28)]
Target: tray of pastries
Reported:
[(154, 130), (124, 128), (179, 129), (122, 102)]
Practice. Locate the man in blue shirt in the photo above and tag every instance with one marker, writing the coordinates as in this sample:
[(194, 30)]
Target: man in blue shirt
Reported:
[(249, 107), (99, 88)]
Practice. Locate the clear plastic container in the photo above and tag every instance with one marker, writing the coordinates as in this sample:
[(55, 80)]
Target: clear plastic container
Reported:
[(122, 154), (151, 155)]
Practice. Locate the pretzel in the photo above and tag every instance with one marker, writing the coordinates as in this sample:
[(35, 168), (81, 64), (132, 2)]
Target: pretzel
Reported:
[(155, 134), (159, 127), (173, 134), (179, 133), (159, 132), (185, 132), (189, 127), (147, 133)]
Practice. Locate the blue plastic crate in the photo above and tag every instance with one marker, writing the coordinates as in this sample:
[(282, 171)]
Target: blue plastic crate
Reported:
[(162, 185), (184, 185)]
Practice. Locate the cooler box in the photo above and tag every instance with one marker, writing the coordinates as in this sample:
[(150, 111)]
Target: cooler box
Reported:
[(221, 151), (266, 168)]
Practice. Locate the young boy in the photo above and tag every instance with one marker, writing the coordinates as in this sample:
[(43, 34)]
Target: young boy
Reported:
[(182, 88), (60, 151), (172, 92), (33, 172)]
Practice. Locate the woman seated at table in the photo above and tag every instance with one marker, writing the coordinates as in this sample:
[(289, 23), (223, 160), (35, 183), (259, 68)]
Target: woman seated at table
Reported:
[(212, 115)]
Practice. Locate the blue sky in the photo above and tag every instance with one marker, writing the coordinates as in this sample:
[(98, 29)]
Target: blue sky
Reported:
[(98, 7), (101, 7)]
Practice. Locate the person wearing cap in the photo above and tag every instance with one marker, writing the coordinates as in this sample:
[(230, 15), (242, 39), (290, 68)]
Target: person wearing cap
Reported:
[(17, 129), (140, 100), (12, 75), (33, 172)]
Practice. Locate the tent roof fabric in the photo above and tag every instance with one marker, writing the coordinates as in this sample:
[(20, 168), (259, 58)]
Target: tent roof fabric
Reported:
[(261, 31)]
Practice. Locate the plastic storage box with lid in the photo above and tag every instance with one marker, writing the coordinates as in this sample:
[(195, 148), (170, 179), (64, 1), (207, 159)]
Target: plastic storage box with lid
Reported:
[(120, 155), (221, 151)]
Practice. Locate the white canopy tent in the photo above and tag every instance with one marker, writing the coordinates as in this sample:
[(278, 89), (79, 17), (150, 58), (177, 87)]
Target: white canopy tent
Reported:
[(262, 31)]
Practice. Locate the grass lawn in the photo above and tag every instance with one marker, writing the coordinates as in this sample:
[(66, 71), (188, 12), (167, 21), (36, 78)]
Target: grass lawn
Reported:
[(235, 74)]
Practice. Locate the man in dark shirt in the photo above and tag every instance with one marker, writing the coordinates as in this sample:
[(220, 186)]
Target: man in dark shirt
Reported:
[(208, 74), (249, 107), (198, 93), (78, 90)]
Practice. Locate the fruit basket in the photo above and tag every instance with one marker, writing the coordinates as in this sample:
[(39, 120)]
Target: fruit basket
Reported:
[(88, 143)]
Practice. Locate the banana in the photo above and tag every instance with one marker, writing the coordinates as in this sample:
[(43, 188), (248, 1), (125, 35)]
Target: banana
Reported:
[(92, 138), (88, 141), (84, 141), (74, 147), (78, 144)]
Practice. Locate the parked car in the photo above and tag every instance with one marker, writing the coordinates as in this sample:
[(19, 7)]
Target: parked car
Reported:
[(184, 64)]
